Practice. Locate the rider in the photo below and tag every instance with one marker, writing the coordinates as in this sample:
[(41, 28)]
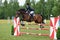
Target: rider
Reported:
[(29, 10)]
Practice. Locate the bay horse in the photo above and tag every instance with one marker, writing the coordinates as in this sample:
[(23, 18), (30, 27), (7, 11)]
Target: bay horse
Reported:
[(26, 17)]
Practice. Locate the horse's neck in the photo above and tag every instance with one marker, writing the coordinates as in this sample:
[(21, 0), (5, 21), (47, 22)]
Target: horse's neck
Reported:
[(26, 14)]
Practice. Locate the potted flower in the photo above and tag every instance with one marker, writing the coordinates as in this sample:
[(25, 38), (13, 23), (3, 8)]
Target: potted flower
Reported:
[(12, 30), (58, 34)]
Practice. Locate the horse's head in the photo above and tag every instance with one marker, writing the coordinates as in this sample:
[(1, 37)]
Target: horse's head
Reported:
[(23, 14), (21, 11)]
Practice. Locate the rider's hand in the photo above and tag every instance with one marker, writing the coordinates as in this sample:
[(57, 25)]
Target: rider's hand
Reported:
[(26, 11)]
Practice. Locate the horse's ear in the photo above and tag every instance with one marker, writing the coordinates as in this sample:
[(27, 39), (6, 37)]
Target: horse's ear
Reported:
[(18, 12)]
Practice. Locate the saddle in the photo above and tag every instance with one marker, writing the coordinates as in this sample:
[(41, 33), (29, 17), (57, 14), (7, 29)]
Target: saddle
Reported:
[(31, 16)]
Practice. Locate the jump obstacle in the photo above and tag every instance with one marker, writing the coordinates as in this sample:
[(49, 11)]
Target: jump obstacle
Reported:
[(35, 28), (54, 24), (35, 34)]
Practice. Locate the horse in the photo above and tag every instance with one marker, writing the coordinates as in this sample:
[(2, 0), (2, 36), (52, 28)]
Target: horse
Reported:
[(26, 17)]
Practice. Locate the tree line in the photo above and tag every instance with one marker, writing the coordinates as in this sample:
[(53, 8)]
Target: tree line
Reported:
[(43, 7)]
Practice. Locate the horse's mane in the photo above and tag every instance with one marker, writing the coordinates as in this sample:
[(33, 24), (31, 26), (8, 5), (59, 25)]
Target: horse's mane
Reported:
[(22, 9)]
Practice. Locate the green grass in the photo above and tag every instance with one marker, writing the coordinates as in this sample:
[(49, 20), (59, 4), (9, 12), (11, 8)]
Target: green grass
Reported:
[(5, 32)]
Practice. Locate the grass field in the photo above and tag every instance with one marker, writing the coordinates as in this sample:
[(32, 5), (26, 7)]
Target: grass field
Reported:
[(5, 32)]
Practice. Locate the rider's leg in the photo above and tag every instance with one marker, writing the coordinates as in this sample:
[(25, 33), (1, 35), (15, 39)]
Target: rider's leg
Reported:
[(32, 13)]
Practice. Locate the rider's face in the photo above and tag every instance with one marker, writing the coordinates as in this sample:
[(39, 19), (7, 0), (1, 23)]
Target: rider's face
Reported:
[(27, 6)]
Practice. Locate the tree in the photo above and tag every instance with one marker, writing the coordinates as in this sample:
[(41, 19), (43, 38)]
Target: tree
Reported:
[(40, 7), (0, 2), (33, 3), (56, 8), (5, 8), (1, 8), (49, 6), (1, 13), (28, 1), (13, 7)]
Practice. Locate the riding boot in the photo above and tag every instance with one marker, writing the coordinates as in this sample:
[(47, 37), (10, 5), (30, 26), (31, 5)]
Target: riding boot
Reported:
[(31, 16)]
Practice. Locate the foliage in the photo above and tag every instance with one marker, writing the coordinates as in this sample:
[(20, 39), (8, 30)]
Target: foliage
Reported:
[(8, 9), (56, 8), (58, 33), (45, 8), (12, 30)]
